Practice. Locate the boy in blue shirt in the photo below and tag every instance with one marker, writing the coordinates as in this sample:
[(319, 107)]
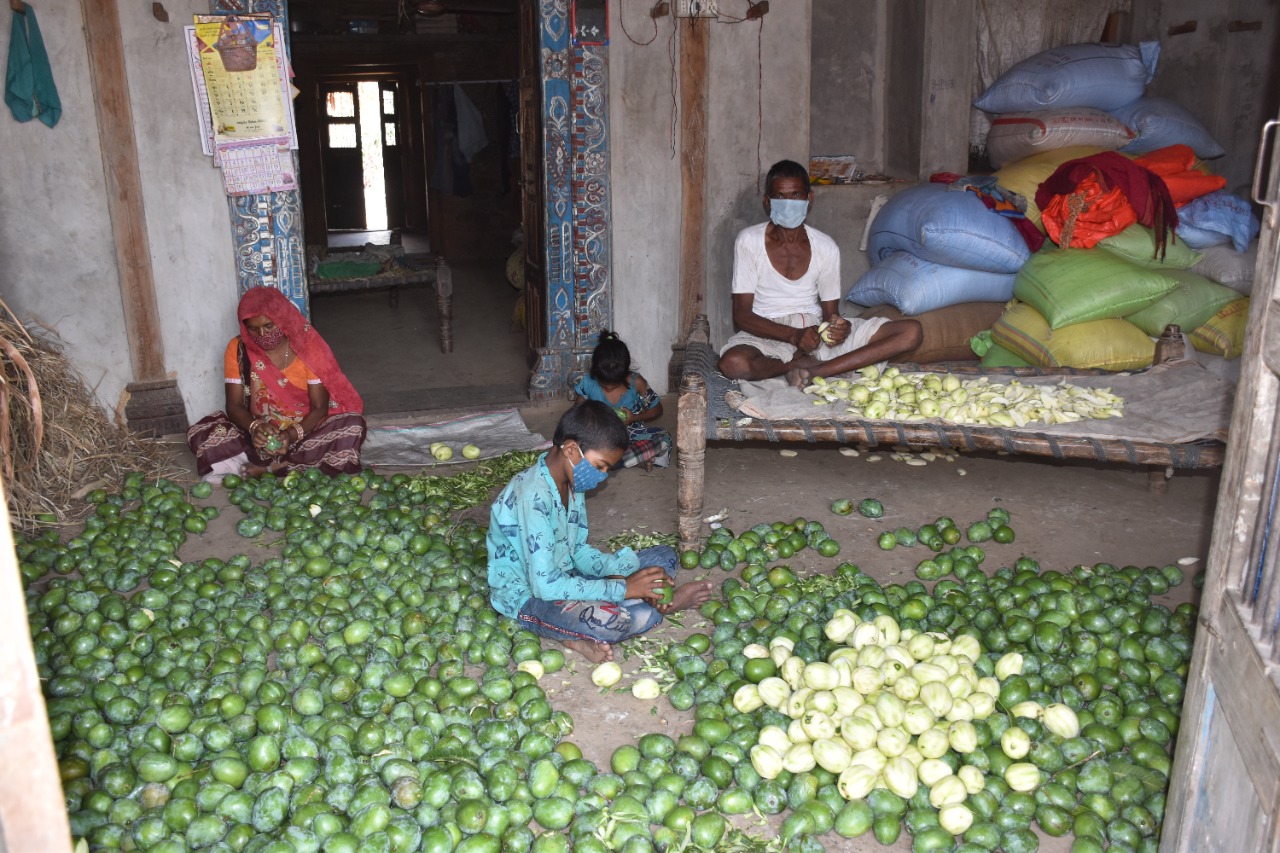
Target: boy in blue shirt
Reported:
[(542, 572)]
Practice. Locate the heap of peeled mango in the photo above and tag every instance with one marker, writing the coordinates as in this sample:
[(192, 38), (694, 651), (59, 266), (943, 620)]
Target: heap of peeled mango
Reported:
[(357, 692), (897, 396)]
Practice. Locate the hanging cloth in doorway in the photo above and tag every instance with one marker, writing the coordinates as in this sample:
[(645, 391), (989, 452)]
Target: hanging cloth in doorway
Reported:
[(471, 136), (28, 87), (451, 174)]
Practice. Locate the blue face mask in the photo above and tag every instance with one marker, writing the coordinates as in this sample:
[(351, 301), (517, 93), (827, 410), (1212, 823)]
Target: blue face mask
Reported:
[(788, 212), (585, 475)]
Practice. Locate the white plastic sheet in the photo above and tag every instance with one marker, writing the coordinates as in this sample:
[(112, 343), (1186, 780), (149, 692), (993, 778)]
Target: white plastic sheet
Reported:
[(410, 444)]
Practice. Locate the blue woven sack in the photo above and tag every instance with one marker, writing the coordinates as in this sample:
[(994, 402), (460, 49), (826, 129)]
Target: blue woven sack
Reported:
[(1217, 218), (914, 286), (1102, 76), (1159, 123), (949, 227)]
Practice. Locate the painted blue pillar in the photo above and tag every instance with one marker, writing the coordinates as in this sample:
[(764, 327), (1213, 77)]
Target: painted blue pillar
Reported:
[(578, 235), (267, 228)]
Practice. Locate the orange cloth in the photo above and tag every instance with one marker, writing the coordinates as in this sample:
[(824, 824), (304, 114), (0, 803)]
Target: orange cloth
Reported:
[(262, 403), (1102, 215), (1177, 164)]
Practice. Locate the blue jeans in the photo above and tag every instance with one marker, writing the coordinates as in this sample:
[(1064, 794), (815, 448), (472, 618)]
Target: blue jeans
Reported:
[(602, 621)]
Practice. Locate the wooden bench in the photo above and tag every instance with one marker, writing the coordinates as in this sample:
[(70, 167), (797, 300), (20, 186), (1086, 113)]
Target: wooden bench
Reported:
[(407, 271), (704, 416)]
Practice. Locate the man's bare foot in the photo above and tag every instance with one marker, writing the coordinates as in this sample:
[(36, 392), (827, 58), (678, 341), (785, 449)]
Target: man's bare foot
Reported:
[(590, 649), (798, 377), (802, 369), (687, 596), (255, 470)]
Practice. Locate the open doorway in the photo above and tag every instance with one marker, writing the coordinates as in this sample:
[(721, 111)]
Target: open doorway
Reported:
[(360, 159), (411, 132)]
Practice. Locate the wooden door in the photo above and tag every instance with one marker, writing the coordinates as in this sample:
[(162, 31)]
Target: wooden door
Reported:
[(343, 165), (393, 145), (531, 178), (1226, 773)]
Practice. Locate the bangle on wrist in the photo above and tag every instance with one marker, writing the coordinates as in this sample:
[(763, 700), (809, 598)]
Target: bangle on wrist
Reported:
[(297, 430)]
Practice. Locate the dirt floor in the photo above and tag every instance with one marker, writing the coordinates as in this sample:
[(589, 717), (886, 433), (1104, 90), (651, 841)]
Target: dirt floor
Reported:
[(392, 353), (1063, 514)]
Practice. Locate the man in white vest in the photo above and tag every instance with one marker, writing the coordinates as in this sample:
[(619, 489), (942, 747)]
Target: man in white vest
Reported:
[(786, 294)]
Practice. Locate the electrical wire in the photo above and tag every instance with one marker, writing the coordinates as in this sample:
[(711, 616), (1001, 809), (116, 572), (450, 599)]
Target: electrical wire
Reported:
[(622, 22), (759, 102), (675, 108)]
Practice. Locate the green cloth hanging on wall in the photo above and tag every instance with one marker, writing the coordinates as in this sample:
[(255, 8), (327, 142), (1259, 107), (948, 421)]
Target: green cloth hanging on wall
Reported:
[(28, 87)]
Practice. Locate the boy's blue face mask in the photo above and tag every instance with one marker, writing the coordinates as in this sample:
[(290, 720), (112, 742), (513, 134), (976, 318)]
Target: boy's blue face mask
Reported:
[(585, 475)]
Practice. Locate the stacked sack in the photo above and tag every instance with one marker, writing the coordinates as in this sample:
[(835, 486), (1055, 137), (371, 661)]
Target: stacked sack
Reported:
[(1118, 277), (938, 254)]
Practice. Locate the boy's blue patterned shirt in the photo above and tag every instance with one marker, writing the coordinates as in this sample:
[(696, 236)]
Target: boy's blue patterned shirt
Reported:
[(538, 548)]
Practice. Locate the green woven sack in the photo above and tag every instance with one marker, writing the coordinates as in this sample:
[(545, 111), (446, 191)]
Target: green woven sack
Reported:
[(1190, 305), (1137, 243), (1069, 286), (998, 356)]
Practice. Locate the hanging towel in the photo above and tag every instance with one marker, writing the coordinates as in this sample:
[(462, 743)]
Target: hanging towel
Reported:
[(471, 136), (28, 87)]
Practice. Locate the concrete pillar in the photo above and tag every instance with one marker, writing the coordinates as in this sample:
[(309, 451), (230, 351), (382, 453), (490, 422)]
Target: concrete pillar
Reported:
[(932, 54)]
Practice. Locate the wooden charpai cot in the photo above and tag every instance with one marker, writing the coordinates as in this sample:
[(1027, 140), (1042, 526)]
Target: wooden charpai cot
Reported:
[(705, 416)]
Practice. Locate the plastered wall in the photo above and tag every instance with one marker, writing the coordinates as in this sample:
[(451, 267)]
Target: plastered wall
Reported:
[(758, 95), (57, 260)]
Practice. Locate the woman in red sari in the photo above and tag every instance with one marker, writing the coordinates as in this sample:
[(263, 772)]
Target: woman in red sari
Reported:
[(289, 406)]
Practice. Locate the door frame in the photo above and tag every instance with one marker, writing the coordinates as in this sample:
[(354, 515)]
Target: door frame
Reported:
[(578, 225), (1225, 791), (411, 140)]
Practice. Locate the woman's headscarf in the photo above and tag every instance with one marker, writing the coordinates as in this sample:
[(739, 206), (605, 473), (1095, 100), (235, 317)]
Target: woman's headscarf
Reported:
[(304, 341)]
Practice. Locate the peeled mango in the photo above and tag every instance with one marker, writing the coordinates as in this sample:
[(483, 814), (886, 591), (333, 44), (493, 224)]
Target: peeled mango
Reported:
[(645, 688), (1022, 776), (1008, 666), (768, 763), (1061, 720), (532, 667), (955, 818), (1015, 743), (606, 674), (470, 451)]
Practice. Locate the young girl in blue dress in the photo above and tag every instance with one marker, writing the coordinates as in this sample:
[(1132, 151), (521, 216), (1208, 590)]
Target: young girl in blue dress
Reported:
[(613, 382)]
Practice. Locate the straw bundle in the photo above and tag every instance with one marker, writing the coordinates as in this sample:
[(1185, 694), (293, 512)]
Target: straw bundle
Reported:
[(56, 442)]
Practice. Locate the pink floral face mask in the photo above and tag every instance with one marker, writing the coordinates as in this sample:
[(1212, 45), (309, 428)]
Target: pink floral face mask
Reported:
[(268, 340)]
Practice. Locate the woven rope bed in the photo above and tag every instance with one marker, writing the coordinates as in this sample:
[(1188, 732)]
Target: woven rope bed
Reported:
[(705, 416), (407, 271)]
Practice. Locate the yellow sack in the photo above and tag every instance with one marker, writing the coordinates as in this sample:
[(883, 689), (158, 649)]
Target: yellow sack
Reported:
[(1107, 344), (1223, 334)]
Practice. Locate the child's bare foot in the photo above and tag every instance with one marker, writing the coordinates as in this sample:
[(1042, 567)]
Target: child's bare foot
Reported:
[(590, 649), (686, 596)]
